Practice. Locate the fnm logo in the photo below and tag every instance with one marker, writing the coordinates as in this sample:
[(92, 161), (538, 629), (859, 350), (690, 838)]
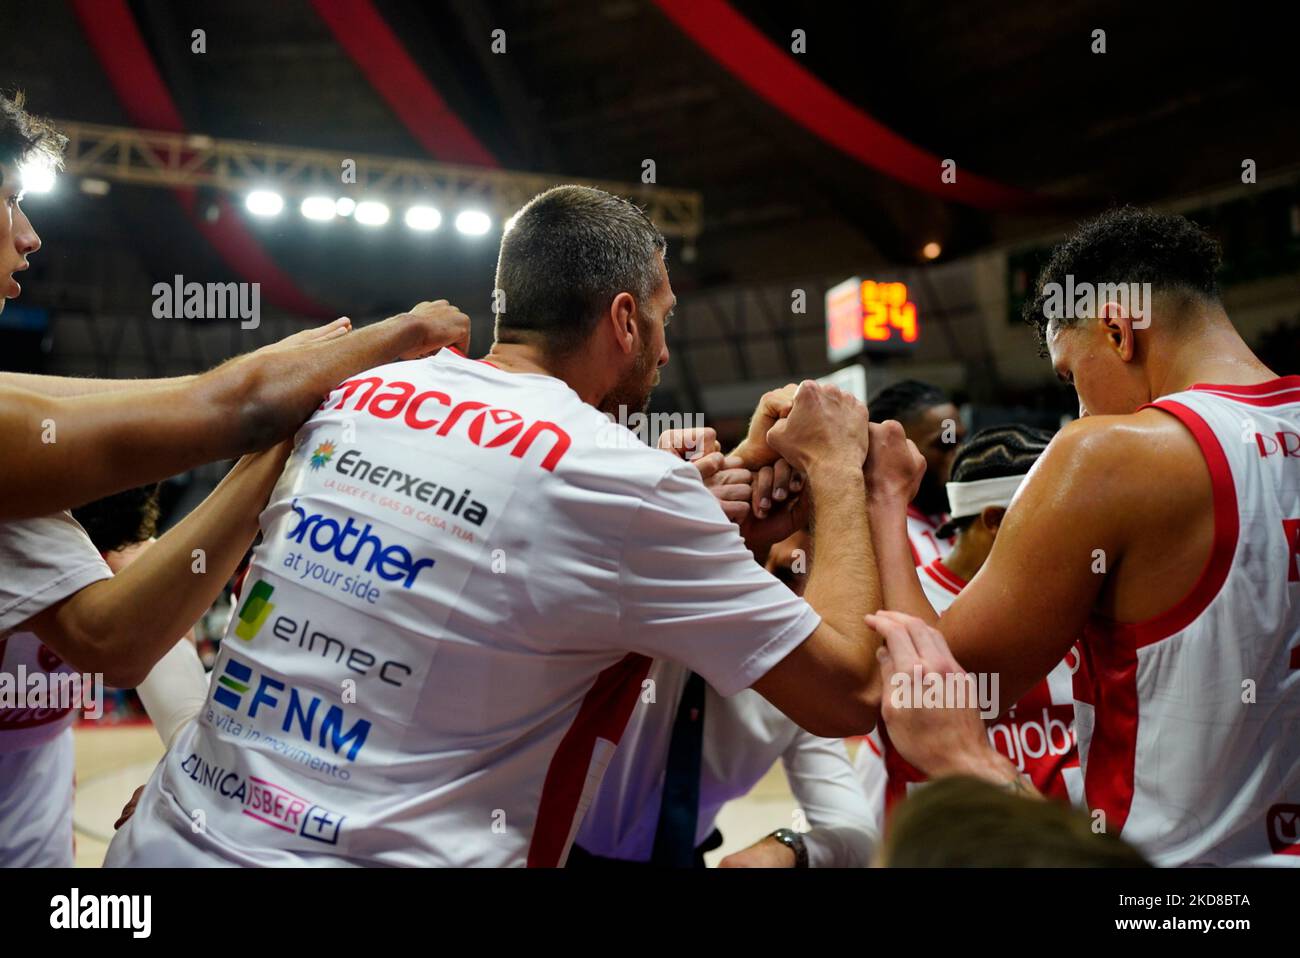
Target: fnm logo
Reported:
[(247, 692)]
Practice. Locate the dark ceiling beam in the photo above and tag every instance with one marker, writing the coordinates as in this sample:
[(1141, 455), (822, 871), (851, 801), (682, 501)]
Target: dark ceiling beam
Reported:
[(518, 106)]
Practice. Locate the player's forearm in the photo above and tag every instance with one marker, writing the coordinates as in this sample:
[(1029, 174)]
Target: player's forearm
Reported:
[(284, 387), (124, 625), (900, 589), (72, 450), (81, 386), (842, 584)]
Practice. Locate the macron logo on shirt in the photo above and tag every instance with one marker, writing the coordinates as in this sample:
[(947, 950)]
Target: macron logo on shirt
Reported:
[(484, 426)]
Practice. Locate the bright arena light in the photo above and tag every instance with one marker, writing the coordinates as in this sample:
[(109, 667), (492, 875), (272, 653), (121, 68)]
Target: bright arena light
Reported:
[(473, 222), (423, 218), (320, 208), (931, 250), (37, 177), (264, 203), (345, 205), (371, 213)]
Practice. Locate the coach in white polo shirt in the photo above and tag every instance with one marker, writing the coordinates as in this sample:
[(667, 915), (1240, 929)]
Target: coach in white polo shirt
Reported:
[(466, 569)]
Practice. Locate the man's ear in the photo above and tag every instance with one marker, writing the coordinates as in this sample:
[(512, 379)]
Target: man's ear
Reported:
[(1118, 325), (623, 320), (992, 517)]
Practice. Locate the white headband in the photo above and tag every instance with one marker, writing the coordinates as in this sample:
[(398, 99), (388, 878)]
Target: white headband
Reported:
[(971, 498)]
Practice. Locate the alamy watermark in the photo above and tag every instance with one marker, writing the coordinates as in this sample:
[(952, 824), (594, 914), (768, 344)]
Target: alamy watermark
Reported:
[(641, 427), (28, 698), (182, 300), (1079, 300), (953, 690)]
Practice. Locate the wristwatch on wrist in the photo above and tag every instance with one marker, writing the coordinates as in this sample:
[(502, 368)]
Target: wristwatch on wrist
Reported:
[(793, 841)]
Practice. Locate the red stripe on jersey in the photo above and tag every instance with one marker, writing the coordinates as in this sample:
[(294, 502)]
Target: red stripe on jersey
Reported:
[(916, 556), (1280, 399), (1272, 390), (1226, 531), (941, 574), (1107, 680), (603, 714)]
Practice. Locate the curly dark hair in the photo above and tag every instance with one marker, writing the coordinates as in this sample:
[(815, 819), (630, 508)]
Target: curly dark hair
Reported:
[(122, 519), (22, 135), (1131, 245)]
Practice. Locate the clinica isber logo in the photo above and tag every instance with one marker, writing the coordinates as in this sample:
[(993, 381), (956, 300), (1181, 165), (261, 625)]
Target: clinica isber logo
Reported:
[(353, 546), (247, 692), (266, 802)]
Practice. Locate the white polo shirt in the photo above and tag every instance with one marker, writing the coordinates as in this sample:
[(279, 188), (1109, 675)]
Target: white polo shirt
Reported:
[(743, 737), (463, 575)]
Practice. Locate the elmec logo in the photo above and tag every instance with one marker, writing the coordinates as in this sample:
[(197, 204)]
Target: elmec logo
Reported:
[(254, 611), (236, 692)]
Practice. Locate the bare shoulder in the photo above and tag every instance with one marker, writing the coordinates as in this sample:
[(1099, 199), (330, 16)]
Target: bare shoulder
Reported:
[(1143, 464), (1148, 437)]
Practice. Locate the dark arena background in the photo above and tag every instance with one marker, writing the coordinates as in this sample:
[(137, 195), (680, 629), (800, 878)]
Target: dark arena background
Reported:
[(858, 194)]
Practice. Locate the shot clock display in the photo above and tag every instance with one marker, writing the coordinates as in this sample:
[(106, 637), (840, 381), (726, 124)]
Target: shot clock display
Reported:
[(863, 315)]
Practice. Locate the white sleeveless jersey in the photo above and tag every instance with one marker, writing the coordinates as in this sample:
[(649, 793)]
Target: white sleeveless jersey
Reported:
[(1189, 723), (463, 576)]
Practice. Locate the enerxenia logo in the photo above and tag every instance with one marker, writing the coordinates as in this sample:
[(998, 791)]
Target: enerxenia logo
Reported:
[(321, 455)]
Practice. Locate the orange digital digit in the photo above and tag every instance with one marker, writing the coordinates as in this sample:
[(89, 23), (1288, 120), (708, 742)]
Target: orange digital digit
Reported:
[(904, 320)]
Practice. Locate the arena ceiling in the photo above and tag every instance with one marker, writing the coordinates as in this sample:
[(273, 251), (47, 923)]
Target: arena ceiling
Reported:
[(1010, 90)]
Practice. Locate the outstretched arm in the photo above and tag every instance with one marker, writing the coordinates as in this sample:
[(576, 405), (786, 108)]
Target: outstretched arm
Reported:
[(121, 626), (68, 450)]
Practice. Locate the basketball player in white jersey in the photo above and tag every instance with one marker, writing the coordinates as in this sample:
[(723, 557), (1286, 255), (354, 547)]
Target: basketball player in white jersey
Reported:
[(934, 424), (1035, 732), (466, 568), (1163, 527)]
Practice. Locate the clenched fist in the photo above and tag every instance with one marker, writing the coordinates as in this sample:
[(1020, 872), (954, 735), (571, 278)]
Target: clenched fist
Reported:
[(440, 324), (824, 424)]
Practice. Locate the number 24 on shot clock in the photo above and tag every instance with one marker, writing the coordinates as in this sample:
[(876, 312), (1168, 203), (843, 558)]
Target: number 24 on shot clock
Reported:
[(868, 316)]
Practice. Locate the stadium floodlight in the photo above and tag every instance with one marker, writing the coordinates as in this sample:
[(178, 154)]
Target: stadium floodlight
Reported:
[(264, 203), (473, 222), (423, 218), (319, 208), (345, 205), (371, 213)]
